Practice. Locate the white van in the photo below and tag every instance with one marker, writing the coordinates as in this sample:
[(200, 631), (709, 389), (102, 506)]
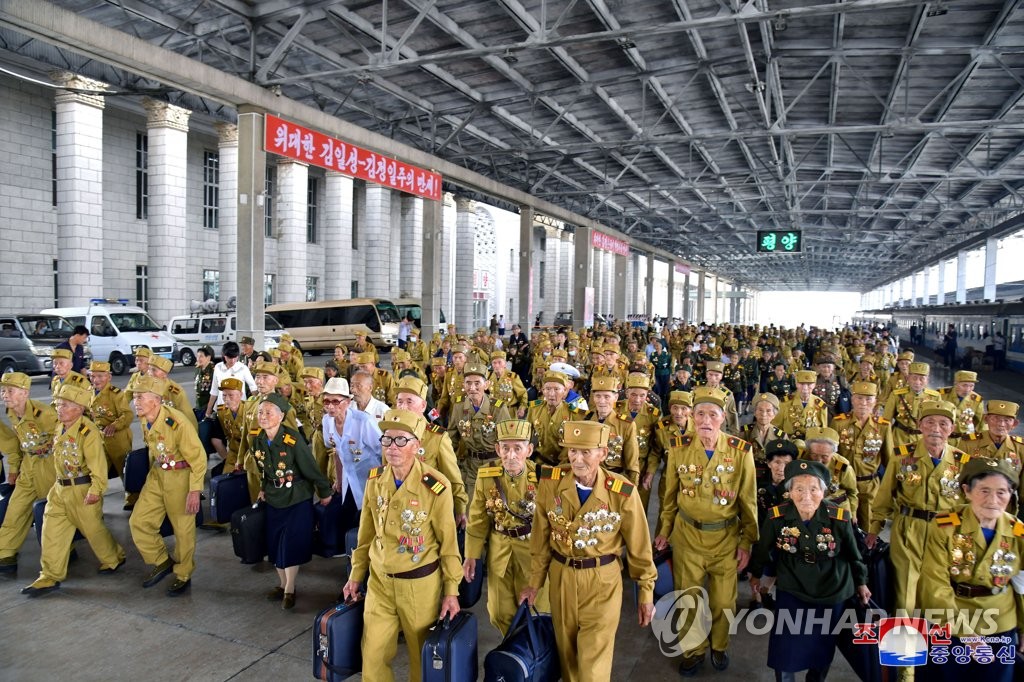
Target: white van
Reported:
[(117, 330), (214, 329), (319, 325)]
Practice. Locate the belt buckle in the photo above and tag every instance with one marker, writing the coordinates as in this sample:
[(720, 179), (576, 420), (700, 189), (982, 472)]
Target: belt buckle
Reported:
[(576, 562), (810, 557), (962, 590), (998, 590)]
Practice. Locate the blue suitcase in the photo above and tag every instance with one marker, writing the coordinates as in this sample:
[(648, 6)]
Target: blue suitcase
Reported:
[(330, 534), (351, 540), (136, 468), (337, 635), (663, 584), (469, 593), (6, 490), (450, 650), (228, 494), (527, 653)]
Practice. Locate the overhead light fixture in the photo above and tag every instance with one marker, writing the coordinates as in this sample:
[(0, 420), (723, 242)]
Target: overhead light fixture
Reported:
[(627, 44), (510, 57), (779, 24)]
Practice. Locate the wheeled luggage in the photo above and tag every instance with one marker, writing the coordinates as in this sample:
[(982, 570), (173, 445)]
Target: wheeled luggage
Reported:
[(450, 650), (249, 533), (329, 539), (136, 468), (337, 632), (228, 494), (469, 592)]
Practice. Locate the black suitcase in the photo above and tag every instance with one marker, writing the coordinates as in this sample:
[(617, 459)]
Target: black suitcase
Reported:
[(228, 494), (136, 468), (329, 540), (450, 650), (663, 584), (527, 653), (469, 593), (351, 540), (864, 658), (880, 571), (337, 635), (167, 530), (6, 490), (38, 509), (249, 533)]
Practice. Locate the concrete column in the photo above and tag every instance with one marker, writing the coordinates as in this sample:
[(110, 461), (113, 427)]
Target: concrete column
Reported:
[(465, 237), (447, 274), (252, 172), (581, 280), (609, 281), (961, 277), (552, 260), (566, 271), (79, 192), (395, 252), (619, 287), (359, 238), (597, 277), (941, 277), (671, 291), (913, 289), (926, 296), (685, 316), (433, 229), (991, 255), (167, 128), (649, 286), (701, 284), (632, 289), (378, 242), (902, 299), (525, 317), (292, 187), (411, 284), (713, 285), (227, 150), (337, 223)]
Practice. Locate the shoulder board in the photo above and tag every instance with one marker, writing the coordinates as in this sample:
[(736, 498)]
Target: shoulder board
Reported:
[(550, 473), (617, 485), (675, 442), (1017, 439), (115, 389), (951, 519), (838, 513), (740, 444), (666, 421), (975, 396), (435, 485), (288, 440), (777, 511), (498, 403), (489, 472), (961, 457), (436, 428), (882, 420), (537, 402), (170, 422), (685, 440), (254, 432), (36, 411), (173, 389), (651, 409), (375, 472), (626, 417), (222, 407), (840, 417), (843, 467), (83, 429), (903, 450), (931, 391), (1018, 528), (725, 390), (901, 391), (973, 436)]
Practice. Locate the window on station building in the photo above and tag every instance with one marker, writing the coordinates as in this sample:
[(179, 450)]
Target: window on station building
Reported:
[(312, 184), (355, 289), (142, 286), (356, 213), (56, 299), (211, 285), (311, 287), (141, 176), (268, 289), (211, 189), (541, 280), (269, 185), (511, 260), (53, 158)]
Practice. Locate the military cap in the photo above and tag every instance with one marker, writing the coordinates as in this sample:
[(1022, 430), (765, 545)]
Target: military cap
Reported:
[(460, 348), (278, 400), (864, 388), (585, 435), (979, 467), (906, 355), (499, 355), (1003, 408), (147, 384), (639, 356), (161, 363), (564, 368), (604, 384), (361, 333), (920, 368), (706, 394), (76, 394), (143, 352), (412, 385), (274, 353), (337, 386), (596, 348), (311, 373), (964, 375), (557, 377), (611, 348), (208, 350), (868, 358), (475, 370), (404, 420), (680, 398), (265, 367), (514, 429), (769, 398), (343, 347), (16, 379), (824, 359), (777, 448), (285, 347), (439, 361), (805, 467), (559, 354), (61, 353), (363, 359), (285, 336), (248, 341), (99, 366), (231, 384), (399, 355), (637, 380), (806, 376), (939, 407), (715, 366), (821, 433)]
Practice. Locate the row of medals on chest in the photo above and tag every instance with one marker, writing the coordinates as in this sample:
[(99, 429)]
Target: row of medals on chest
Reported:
[(696, 472), (789, 540), (871, 445), (962, 558), (411, 541), (504, 517), (589, 527), (949, 484), (282, 476), (34, 441)]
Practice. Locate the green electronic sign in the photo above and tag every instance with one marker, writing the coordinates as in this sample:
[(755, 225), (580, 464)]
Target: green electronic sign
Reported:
[(779, 241)]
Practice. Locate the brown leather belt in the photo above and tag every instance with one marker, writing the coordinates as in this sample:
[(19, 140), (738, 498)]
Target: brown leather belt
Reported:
[(861, 479), (839, 499), (584, 562), (904, 427), (483, 455), (971, 591), (81, 480), (918, 513), (521, 531), (421, 572)]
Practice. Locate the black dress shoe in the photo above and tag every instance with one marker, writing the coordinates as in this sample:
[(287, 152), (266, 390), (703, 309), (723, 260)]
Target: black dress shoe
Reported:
[(178, 587), (690, 665), (288, 602), (111, 570), (719, 660), (9, 564), (33, 591), (158, 573), (276, 594)]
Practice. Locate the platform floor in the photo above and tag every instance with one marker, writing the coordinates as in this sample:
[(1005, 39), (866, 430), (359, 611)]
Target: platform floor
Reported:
[(110, 628)]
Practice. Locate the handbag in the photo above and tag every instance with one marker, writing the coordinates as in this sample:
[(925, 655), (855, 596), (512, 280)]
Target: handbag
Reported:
[(528, 652)]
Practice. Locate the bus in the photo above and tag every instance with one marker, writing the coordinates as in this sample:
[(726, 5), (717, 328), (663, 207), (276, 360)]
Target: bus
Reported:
[(320, 325)]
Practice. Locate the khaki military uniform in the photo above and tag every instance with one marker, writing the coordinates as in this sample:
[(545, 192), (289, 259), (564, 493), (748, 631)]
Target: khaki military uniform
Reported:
[(439, 453), (867, 447), (509, 389), (473, 435), (418, 352), (383, 386), (294, 365), (902, 409), (969, 411), (896, 382), (233, 426), (501, 519), (577, 548), (56, 382), (451, 393), (81, 469), (646, 421), (249, 409), (751, 434), (175, 397), (1011, 450), (402, 530), (623, 450), (842, 490), (913, 492), (30, 460), (110, 406), (795, 417), (707, 520), (178, 468), (312, 429), (548, 426)]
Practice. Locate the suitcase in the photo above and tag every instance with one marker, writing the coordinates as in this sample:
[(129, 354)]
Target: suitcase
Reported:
[(337, 633), (469, 593), (527, 653), (6, 490), (136, 468), (249, 533), (351, 540), (167, 530), (228, 494), (38, 509), (450, 651), (663, 584), (864, 658), (880, 572), (329, 540)]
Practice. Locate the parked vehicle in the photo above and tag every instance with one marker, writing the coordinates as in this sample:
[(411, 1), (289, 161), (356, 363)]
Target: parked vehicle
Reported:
[(26, 341), (319, 325), (214, 330)]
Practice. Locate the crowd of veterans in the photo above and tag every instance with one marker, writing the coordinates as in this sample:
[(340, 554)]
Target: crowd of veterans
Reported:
[(773, 451)]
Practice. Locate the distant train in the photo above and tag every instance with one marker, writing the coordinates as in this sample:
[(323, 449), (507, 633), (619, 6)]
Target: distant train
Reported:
[(977, 325)]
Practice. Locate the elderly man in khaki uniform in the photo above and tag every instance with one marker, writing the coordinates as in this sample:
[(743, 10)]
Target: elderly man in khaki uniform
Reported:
[(452, 388), (713, 374), (75, 502), (506, 384), (904, 404), (267, 376), (291, 360), (646, 418), (584, 519), (866, 442), (803, 410), (407, 534), (623, 450), (29, 467), (472, 424), (899, 378), (970, 407), (822, 445), (62, 374), (501, 518), (709, 511), (383, 383), (313, 414), (160, 367), (996, 442), (548, 416), (231, 417), (675, 425), (113, 416), (172, 487)]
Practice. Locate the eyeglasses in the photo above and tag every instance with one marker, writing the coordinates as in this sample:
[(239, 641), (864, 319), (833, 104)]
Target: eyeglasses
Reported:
[(339, 401), (400, 441)]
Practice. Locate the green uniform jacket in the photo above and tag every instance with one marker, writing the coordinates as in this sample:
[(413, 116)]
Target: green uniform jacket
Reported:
[(286, 459)]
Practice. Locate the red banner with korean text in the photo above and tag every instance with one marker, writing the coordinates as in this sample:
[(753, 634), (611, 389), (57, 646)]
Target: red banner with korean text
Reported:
[(682, 269), (285, 138), (605, 242)]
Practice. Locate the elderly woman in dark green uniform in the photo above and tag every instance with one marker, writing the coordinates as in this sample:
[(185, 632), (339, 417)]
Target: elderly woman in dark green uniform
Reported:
[(288, 475), (969, 577), (808, 545)]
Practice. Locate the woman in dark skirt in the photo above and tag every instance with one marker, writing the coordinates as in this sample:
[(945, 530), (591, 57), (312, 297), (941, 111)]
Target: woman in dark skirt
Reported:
[(808, 546), (288, 475)]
